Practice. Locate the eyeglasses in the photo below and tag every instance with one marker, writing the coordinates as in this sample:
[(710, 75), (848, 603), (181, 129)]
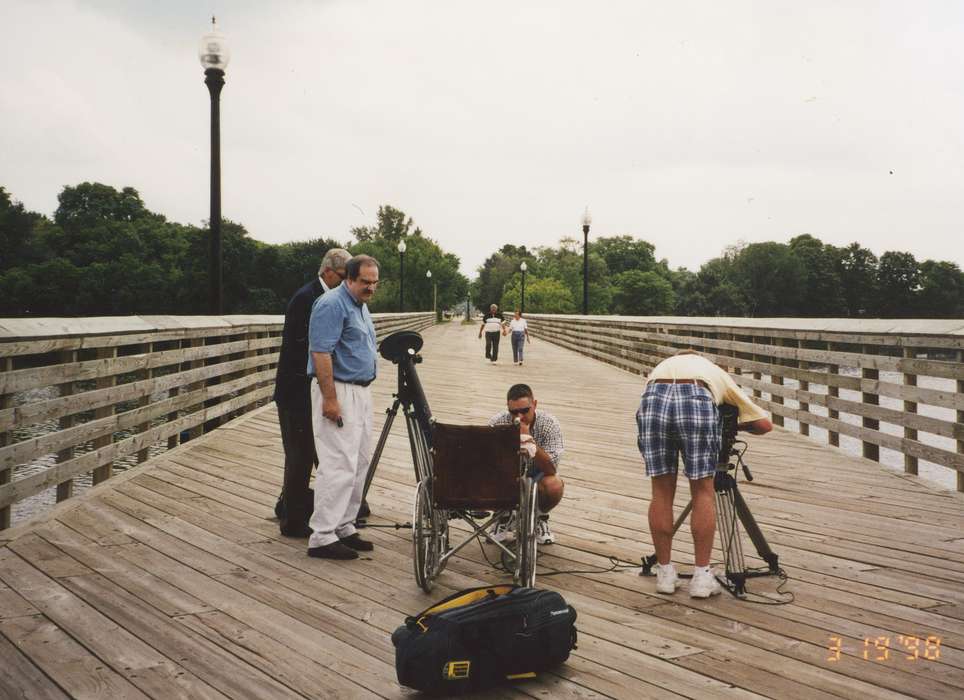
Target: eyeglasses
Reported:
[(519, 411)]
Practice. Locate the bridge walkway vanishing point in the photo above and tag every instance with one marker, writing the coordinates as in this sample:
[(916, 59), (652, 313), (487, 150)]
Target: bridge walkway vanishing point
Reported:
[(171, 580)]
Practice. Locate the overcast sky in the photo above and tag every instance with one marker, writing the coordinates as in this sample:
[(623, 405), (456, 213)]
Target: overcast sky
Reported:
[(692, 125)]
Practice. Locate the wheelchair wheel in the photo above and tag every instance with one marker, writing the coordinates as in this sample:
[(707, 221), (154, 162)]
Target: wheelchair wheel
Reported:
[(526, 536), (426, 538)]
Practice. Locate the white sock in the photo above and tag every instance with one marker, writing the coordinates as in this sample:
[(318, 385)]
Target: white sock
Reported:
[(702, 569)]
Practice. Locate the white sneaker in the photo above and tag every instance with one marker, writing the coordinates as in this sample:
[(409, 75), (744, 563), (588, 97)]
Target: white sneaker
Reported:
[(704, 584), (667, 580), (543, 533), (505, 530)]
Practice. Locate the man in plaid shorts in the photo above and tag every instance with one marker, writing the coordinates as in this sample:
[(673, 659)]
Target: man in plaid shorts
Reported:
[(678, 414)]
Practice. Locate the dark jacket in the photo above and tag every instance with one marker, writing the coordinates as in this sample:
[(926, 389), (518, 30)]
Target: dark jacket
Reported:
[(291, 388)]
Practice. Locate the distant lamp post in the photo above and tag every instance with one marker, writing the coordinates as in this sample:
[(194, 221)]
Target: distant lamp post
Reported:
[(428, 274), (401, 276), (523, 267), (586, 221), (214, 55)]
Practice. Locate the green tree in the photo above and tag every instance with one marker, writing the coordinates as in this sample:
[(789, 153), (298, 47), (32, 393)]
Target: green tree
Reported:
[(898, 284), (624, 253), (857, 270), (16, 229), (543, 296), (643, 294), (942, 290), (822, 290), (771, 279)]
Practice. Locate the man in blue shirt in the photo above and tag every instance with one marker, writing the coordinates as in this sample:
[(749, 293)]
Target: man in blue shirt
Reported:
[(344, 361)]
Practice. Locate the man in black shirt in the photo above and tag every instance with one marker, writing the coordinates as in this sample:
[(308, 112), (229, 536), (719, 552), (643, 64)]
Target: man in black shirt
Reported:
[(492, 327), (293, 397)]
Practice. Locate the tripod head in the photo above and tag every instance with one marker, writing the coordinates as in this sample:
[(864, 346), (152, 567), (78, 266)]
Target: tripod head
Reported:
[(401, 348)]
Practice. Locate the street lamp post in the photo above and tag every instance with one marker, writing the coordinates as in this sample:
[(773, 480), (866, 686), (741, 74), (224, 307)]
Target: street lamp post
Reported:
[(434, 294), (586, 221), (214, 56), (523, 267), (401, 276)]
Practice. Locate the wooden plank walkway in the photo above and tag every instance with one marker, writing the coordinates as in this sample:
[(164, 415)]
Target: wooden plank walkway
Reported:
[(172, 581)]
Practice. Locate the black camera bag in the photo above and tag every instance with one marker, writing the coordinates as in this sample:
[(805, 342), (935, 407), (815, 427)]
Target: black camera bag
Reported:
[(483, 636)]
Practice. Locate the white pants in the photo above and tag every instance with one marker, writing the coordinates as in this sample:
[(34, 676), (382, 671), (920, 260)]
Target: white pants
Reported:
[(343, 456)]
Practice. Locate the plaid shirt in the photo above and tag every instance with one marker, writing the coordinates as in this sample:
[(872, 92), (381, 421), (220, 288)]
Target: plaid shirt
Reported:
[(545, 431)]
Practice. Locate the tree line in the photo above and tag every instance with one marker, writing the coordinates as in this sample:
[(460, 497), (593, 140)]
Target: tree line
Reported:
[(802, 278), (105, 253)]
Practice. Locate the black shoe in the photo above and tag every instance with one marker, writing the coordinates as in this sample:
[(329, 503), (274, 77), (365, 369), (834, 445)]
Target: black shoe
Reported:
[(357, 543), (299, 530), (335, 550), (279, 507), (364, 511)]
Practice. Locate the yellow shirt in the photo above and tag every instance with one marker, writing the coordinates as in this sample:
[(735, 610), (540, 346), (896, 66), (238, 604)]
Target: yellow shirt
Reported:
[(721, 384)]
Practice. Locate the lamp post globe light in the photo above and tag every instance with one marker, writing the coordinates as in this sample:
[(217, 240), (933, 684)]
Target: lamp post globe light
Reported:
[(586, 221), (214, 56), (401, 276), (523, 267), (428, 274)]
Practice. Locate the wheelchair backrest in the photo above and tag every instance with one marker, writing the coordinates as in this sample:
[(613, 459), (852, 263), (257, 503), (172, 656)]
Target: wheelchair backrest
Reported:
[(475, 466)]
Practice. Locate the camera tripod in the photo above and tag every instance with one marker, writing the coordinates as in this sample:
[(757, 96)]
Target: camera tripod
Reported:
[(402, 349), (731, 511)]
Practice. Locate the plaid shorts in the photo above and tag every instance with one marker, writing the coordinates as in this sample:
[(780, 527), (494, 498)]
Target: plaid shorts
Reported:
[(678, 417)]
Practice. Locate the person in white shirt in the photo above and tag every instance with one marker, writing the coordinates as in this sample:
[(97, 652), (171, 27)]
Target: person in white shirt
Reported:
[(678, 414), (519, 329)]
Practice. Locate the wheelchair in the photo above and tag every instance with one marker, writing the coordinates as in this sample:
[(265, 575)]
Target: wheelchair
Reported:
[(474, 474)]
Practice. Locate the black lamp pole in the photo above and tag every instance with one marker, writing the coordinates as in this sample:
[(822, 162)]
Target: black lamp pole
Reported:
[(214, 56), (522, 306), (214, 79), (401, 279), (586, 220)]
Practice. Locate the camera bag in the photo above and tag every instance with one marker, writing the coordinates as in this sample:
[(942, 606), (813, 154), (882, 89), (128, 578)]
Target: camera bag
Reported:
[(480, 637)]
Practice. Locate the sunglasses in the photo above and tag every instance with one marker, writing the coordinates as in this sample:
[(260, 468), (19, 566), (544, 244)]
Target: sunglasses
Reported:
[(519, 411)]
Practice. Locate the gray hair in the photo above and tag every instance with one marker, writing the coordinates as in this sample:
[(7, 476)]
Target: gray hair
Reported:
[(334, 259)]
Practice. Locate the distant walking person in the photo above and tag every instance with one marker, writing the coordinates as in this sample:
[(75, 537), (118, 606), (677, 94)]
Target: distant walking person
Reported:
[(341, 339), (678, 413), (519, 329), (492, 327), (292, 395)]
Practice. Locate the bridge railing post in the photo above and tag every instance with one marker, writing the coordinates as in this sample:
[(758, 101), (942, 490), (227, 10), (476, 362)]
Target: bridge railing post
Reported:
[(910, 407)]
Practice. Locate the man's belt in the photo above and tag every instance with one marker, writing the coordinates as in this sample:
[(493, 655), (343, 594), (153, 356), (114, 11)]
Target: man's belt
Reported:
[(356, 382), (697, 382)]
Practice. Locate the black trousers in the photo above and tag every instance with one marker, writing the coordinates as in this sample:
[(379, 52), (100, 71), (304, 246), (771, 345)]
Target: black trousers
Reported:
[(297, 500), (492, 345)]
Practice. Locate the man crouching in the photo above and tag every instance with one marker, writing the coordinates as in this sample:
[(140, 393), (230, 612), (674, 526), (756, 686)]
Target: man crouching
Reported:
[(540, 437)]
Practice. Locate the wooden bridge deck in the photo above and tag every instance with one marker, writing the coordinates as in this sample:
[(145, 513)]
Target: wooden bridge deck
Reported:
[(172, 581)]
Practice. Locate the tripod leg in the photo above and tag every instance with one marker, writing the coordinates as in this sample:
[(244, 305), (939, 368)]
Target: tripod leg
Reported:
[(754, 532), (416, 441), (377, 454)]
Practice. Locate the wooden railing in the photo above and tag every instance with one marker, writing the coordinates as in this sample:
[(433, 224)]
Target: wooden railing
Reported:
[(84, 395), (916, 365)]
